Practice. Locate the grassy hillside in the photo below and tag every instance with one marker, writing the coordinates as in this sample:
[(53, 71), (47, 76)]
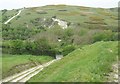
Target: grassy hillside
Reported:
[(16, 63), (90, 63), (75, 14)]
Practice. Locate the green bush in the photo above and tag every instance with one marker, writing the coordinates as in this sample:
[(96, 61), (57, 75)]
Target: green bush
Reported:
[(67, 49), (103, 36), (17, 47)]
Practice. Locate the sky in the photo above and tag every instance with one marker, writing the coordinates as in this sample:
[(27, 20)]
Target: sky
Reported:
[(15, 4)]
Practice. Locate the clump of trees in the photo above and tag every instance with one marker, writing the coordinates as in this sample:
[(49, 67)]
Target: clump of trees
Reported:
[(39, 47)]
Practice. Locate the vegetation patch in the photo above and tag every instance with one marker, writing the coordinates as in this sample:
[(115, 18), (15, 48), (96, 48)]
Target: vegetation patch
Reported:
[(104, 13), (62, 10), (84, 8), (96, 20)]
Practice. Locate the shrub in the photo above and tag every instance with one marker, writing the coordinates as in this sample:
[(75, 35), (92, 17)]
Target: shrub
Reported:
[(67, 49), (62, 10), (17, 47), (4, 11), (18, 17), (68, 32), (4, 18), (103, 36), (13, 47)]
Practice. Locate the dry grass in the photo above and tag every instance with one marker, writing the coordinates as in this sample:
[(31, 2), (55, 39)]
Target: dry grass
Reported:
[(96, 18)]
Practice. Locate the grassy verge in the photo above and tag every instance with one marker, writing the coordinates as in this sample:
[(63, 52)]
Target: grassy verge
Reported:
[(12, 64), (91, 63)]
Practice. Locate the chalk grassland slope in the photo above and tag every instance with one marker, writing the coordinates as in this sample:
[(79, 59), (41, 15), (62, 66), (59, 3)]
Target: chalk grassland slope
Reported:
[(73, 14), (90, 63), (12, 64)]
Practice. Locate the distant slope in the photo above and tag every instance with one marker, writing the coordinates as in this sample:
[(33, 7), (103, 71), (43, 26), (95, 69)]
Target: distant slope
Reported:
[(33, 17), (91, 63)]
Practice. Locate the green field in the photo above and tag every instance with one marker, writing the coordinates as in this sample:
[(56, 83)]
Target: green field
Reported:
[(11, 62), (88, 64)]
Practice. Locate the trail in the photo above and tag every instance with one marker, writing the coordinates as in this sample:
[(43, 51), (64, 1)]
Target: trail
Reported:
[(13, 17), (27, 74)]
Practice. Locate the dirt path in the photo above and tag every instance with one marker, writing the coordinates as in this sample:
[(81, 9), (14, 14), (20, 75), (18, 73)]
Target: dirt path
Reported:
[(27, 74), (13, 17)]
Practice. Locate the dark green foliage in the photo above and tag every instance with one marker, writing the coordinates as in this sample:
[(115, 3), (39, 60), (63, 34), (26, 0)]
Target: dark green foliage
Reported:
[(68, 49), (4, 11), (39, 47), (18, 17), (62, 10), (17, 47), (54, 16), (21, 33), (103, 36), (42, 47), (4, 18)]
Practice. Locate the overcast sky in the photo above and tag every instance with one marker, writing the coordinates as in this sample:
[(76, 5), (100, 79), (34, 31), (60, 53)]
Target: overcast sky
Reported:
[(14, 4)]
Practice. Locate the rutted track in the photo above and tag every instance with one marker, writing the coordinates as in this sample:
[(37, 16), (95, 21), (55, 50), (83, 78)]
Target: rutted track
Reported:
[(26, 75)]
